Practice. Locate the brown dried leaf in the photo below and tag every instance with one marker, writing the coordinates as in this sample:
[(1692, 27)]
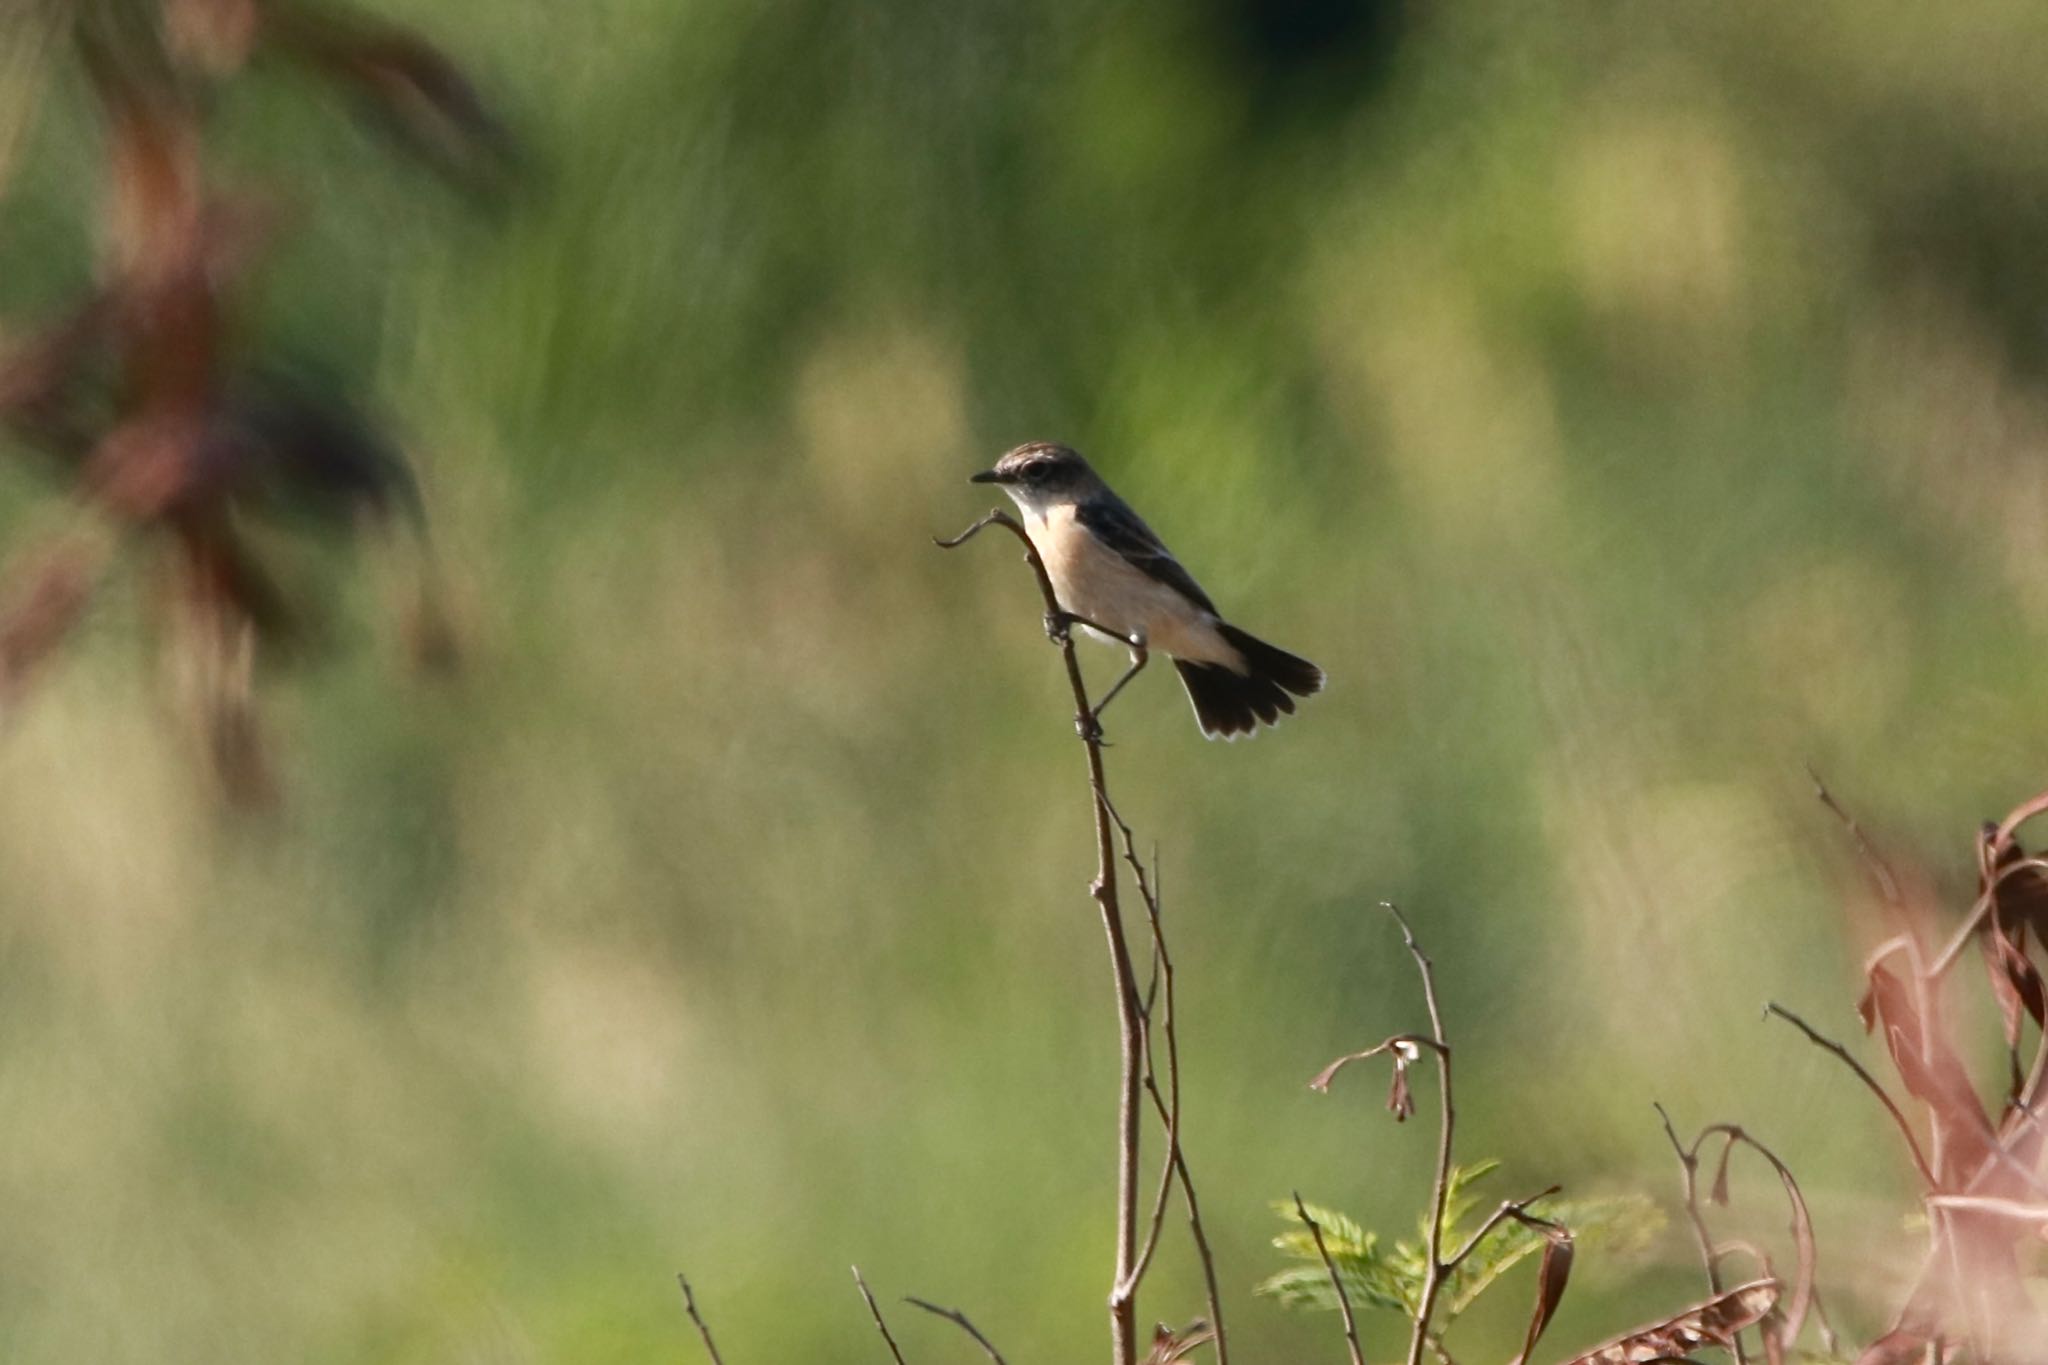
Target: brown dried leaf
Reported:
[(1930, 1069), (1552, 1274), (1791, 1317), (1717, 1193), (1320, 1082), (1400, 1100), (1713, 1323), (2015, 982), (1402, 1048), (2019, 901)]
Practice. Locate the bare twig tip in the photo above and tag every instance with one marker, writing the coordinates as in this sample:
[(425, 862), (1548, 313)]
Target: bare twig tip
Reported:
[(959, 1319), (703, 1329)]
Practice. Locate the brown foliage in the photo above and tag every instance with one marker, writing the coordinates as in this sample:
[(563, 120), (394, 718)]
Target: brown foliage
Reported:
[(1981, 1187), (1713, 1323), (144, 398)]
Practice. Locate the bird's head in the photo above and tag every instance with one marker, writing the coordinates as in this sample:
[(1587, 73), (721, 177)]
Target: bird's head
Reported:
[(1042, 474)]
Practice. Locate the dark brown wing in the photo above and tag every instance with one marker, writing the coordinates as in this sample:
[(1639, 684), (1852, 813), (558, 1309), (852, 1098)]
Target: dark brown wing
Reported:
[(1121, 529)]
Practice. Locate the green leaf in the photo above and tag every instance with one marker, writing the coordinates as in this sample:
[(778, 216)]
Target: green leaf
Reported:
[(1459, 1200), (1372, 1276), (1390, 1277)]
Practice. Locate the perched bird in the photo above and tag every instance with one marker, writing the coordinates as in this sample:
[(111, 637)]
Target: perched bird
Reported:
[(1114, 577)]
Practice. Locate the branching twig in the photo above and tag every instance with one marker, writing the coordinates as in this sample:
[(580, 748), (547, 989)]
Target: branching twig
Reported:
[(959, 1318), (1517, 1209), (1407, 1048), (1689, 1164), (704, 1331), (1336, 1281), (1168, 1106), (1436, 1270), (1123, 1313), (875, 1312), (1778, 1343)]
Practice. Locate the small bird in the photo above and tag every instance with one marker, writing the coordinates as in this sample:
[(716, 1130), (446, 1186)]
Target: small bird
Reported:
[(1114, 577)]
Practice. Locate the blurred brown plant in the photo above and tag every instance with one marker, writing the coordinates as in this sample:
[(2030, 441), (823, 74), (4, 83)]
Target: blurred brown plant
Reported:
[(1979, 1164), (159, 418)]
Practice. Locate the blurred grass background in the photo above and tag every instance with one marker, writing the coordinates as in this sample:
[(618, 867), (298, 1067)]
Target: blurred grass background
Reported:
[(1625, 403)]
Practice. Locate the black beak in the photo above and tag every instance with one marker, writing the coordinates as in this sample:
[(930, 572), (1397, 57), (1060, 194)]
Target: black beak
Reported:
[(986, 476)]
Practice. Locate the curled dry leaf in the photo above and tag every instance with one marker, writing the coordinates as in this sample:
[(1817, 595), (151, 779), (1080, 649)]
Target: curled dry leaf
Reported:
[(1400, 1099), (1914, 1033), (1717, 1193), (1713, 1323), (1552, 1274), (1790, 1316), (2019, 905), (1320, 1082)]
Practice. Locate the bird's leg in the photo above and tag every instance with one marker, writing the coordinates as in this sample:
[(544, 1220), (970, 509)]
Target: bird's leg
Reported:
[(1089, 724), (1139, 658), (1059, 628)]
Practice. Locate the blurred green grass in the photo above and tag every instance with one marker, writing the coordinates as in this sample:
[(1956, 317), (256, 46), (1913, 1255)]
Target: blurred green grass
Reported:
[(1626, 405)]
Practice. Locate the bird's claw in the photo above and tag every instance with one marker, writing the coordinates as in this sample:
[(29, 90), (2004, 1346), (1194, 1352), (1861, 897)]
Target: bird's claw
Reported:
[(1088, 728), (1058, 627)]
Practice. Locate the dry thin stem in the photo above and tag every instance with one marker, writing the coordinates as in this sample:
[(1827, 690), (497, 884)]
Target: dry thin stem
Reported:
[(1336, 1281), (704, 1331), (1689, 1164), (1794, 1315), (1407, 1047), (1123, 1308), (2003, 1208), (1517, 1209), (1779, 1341), (955, 1316), (1871, 1082), (1880, 870), (1160, 993), (875, 1312), (1413, 1045), (1436, 1270)]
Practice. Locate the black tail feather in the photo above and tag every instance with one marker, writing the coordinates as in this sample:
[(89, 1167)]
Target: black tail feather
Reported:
[(1228, 703), (1291, 671)]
